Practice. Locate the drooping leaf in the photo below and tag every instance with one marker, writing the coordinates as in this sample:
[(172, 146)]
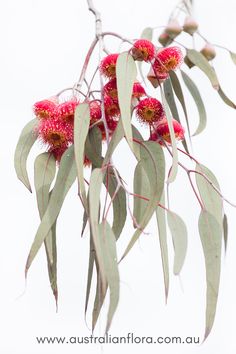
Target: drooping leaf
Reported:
[(201, 62), (225, 229), (81, 127), (161, 223), (95, 186), (126, 74), (44, 173), (101, 291), (179, 94), (211, 199), (65, 178), (90, 272), (119, 205), (210, 233), (108, 250), (179, 236), (141, 187), (153, 163), (198, 100), (26, 141), (93, 146), (169, 95), (226, 99), (115, 140), (233, 56), (174, 167)]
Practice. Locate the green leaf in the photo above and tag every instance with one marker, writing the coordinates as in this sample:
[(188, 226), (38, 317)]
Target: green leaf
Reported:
[(141, 187), (81, 127), (93, 147), (174, 167), (169, 95), (65, 178), (95, 186), (90, 272), (126, 73), (210, 233), (44, 173), (153, 163), (108, 250), (201, 62), (211, 199), (233, 56), (198, 100), (115, 140), (225, 229), (26, 141), (179, 236), (226, 99), (119, 205), (101, 291), (179, 94), (161, 222)]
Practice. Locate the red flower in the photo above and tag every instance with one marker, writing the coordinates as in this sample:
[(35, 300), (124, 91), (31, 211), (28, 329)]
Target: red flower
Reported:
[(167, 59), (58, 152), (112, 108), (143, 50), (44, 109), (110, 89), (95, 111), (138, 90), (149, 110), (162, 131), (66, 110), (156, 79), (55, 133), (108, 66)]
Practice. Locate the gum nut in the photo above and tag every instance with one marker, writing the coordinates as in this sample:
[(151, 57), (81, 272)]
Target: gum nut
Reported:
[(165, 39), (208, 51), (173, 29), (190, 25)]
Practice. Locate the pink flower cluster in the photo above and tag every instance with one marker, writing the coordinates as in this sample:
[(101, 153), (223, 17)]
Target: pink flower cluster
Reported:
[(56, 120)]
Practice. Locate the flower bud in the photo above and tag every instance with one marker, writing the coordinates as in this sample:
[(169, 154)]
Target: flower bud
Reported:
[(156, 79), (190, 25), (208, 51), (188, 62), (173, 29), (165, 39)]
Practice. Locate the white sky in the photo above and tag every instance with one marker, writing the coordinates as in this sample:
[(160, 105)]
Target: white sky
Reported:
[(43, 47)]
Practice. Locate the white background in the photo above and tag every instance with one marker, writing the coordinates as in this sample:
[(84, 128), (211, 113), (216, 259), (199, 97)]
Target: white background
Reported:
[(43, 45)]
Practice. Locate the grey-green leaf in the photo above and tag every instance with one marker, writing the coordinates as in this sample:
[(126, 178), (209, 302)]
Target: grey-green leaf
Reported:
[(179, 94), (119, 205), (198, 100), (226, 99), (161, 223), (44, 173), (210, 198), (201, 62), (153, 163), (81, 127), (108, 251), (141, 187), (179, 236), (65, 178), (95, 186), (126, 74), (210, 233), (174, 167), (26, 141)]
